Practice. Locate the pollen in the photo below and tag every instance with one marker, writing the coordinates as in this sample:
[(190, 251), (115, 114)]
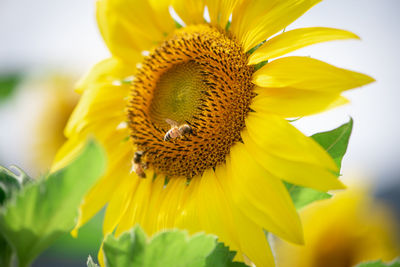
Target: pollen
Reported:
[(198, 76)]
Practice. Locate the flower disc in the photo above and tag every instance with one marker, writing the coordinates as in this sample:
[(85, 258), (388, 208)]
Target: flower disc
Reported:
[(200, 77)]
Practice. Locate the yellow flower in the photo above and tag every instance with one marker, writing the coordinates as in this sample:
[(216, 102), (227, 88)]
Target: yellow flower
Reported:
[(37, 116), (59, 100), (224, 177), (343, 231)]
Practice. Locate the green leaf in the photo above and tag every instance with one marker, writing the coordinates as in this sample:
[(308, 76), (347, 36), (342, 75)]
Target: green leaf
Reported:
[(22, 177), (42, 211), (302, 196), (8, 84), (9, 183), (128, 249), (90, 262), (379, 263), (335, 142), (221, 256), (168, 248), (77, 248)]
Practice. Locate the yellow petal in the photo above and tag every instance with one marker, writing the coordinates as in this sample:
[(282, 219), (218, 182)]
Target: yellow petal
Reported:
[(119, 155), (119, 202), (295, 39), (156, 199), (308, 74), (127, 219), (220, 11), (215, 214), (172, 203), (340, 101), (100, 256), (101, 193), (141, 201), (188, 216), (98, 103), (136, 211), (98, 106), (275, 135), (128, 27), (291, 102), (164, 19), (255, 21), (68, 152), (253, 242), (110, 137), (104, 96), (299, 173), (190, 11), (106, 71), (262, 197), (245, 13)]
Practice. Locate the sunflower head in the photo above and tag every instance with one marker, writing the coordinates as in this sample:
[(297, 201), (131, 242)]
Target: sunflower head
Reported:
[(199, 76), (206, 119)]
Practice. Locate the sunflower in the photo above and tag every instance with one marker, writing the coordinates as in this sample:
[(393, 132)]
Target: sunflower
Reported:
[(57, 102), (42, 104), (223, 175), (343, 231)]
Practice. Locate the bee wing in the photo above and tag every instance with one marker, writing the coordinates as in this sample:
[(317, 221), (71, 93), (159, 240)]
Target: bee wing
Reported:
[(171, 122)]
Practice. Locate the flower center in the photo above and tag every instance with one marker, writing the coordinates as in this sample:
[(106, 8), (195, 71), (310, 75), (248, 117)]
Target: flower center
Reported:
[(178, 93), (199, 80)]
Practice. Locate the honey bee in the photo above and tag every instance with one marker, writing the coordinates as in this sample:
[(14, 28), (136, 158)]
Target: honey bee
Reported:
[(137, 165), (176, 130)]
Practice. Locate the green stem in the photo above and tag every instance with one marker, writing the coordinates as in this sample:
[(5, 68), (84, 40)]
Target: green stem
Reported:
[(6, 253)]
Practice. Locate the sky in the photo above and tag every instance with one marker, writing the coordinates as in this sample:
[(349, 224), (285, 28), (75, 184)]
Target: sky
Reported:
[(45, 34)]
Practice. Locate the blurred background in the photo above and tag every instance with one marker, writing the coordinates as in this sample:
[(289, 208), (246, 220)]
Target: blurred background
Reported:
[(45, 46)]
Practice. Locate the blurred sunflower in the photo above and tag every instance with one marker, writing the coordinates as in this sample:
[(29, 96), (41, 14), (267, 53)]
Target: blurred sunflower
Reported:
[(343, 231), (59, 101), (223, 175), (35, 118)]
